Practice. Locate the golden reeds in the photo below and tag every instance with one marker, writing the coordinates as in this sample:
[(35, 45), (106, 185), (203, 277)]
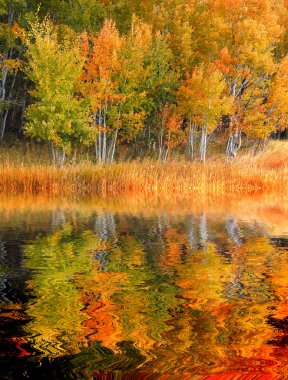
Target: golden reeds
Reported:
[(265, 173)]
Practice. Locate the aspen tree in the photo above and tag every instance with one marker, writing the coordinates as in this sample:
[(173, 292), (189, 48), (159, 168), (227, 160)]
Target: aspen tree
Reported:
[(58, 115)]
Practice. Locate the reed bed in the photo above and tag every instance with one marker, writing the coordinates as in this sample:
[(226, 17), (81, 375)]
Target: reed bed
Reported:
[(265, 173)]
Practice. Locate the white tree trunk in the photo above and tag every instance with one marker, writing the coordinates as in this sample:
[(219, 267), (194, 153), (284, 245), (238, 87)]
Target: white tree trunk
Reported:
[(160, 145), (234, 143), (191, 141), (203, 144), (58, 156)]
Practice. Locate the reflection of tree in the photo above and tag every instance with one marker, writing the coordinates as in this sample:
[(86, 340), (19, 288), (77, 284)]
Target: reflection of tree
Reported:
[(191, 233), (58, 218), (142, 305), (251, 297), (3, 272), (233, 231), (105, 230), (227, 302), (103, 324), (278, 317), (105, 226), (55, 311), (203, 230), (160, 292)]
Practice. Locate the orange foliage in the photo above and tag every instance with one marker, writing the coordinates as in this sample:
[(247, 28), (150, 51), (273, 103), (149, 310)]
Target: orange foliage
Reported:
[(101, 55)]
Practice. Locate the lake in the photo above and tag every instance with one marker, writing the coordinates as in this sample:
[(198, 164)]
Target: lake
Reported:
[(144, 290)]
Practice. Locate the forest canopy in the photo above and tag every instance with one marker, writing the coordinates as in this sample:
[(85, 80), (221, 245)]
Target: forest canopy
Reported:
[(151, 77)]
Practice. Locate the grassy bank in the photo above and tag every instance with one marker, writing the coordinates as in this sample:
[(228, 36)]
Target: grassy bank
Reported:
[(265, 173)]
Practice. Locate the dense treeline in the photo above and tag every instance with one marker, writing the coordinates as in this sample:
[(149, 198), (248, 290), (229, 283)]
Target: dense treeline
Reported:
[(149, 76)]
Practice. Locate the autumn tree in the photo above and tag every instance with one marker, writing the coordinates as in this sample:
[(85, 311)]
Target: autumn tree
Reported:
[(203, 102), (58, 115), (160, 85), (170, 132), (173, 19), (132, 109), (134, 57), (251, 30), (10, 62), (278, 98), (102, 64), (78, 15), (241, 37), (114, 71), (186, 97)]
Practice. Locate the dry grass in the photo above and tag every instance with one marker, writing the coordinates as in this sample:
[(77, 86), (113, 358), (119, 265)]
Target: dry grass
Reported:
[(265, 173)]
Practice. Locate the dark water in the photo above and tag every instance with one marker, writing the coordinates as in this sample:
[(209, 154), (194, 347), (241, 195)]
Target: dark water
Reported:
[(98, 295)]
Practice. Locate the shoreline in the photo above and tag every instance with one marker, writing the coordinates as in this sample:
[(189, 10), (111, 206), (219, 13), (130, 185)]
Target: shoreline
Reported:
[(268, 209)]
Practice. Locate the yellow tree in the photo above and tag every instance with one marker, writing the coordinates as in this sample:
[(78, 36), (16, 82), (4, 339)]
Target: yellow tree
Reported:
[(131, 111), (170, 131), (101, 67), (202, 100), (278, 97), (241, 37), (172, 18), (251, 29), (113, 76)]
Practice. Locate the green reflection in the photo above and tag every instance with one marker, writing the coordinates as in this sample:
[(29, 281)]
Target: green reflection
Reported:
[(55, 309)]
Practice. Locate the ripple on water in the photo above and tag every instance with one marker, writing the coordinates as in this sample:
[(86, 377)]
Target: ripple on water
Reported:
[(121, 296)]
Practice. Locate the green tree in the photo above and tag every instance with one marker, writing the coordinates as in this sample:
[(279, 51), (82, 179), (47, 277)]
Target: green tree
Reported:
[(160, 84), (131, 111), (58, 115)]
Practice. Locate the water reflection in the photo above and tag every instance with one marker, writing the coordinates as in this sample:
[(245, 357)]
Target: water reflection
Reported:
[(85, 295)]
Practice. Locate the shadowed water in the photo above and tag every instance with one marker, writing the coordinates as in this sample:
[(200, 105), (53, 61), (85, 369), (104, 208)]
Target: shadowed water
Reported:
[(107, 295)]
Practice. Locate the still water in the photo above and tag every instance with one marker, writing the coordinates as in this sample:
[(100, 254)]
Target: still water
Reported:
[(101, 294)]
